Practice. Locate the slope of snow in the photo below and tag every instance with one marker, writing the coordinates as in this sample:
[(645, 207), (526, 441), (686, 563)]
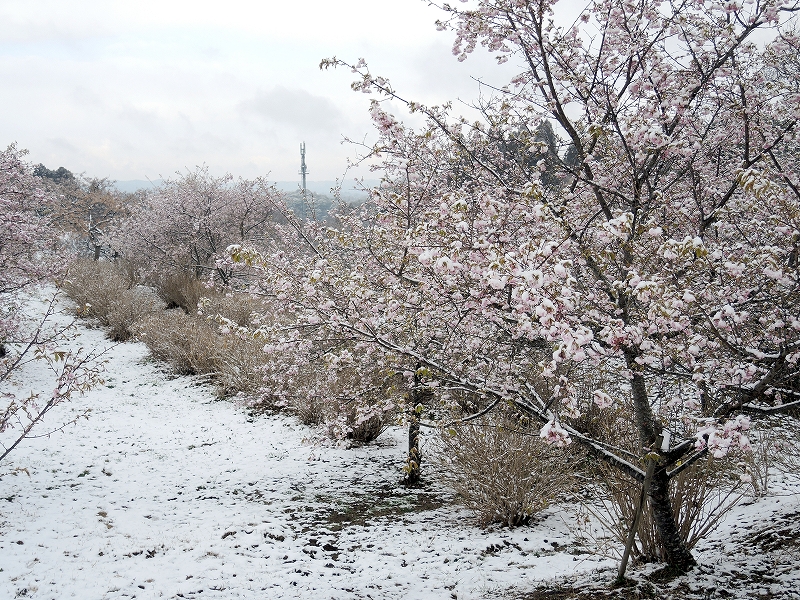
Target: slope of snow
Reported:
[(166, 492)]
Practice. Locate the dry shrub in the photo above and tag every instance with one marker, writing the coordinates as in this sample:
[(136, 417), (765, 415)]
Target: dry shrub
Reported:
[(95, 286), (363, 431), (239, 362), (353, 403), (361, 404), (181, 290), (193, 345), (343, 420), (776, 450), (129, 270), (103, 291), (187, 343), (237, 308), (240, 355), (701, 495), (311, 413), (185, 291), (132, 306), (360, 424), (502, 471)]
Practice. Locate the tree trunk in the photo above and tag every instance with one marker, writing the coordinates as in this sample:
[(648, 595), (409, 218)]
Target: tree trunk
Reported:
[(646, 424), (676, 553), (417, 397), (414, 457)]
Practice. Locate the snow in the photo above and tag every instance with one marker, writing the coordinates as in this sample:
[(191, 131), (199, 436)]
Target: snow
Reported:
[(167, 492)]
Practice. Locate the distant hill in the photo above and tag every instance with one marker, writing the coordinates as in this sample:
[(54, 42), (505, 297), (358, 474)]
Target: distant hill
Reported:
[(318, 203), (349, 189), (323, 188)]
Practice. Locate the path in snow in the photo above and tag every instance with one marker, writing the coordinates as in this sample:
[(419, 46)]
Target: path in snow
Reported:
[(167, 493)]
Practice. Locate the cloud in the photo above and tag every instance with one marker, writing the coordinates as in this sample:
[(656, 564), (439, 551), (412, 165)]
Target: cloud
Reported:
[(437, 72), (139, 118), (136, 89), (296, 108), (55, 21)]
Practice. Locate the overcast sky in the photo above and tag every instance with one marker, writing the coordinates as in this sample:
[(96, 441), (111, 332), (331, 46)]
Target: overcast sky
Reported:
[(141, 89)]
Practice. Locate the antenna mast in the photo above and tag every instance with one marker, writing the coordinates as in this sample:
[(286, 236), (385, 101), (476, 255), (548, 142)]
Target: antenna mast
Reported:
[(303, 168)]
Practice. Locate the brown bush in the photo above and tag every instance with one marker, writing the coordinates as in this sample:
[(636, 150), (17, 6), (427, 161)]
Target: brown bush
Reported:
[(367, 430), (359, 420), (239, 362), (95, 286), (103, 291), (502, 471), (181, 290), (237, 308), (193, 345), (132, 306), (701, 495), (352, 403), (310, 413), (360, 424), (128, 270), (361, 404), (188, 344)]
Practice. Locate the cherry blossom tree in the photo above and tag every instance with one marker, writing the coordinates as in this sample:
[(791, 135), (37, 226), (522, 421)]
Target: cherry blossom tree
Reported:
[(30, 256), (311, 272), (185, 224), (86, 208), (25, 237), (654, 277)]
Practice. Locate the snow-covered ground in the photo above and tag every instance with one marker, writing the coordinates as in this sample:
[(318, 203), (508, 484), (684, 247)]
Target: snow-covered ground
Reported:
[(166, 492)]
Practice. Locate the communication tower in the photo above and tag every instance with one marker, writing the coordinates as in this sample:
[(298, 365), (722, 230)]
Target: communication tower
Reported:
[(303, 168)]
